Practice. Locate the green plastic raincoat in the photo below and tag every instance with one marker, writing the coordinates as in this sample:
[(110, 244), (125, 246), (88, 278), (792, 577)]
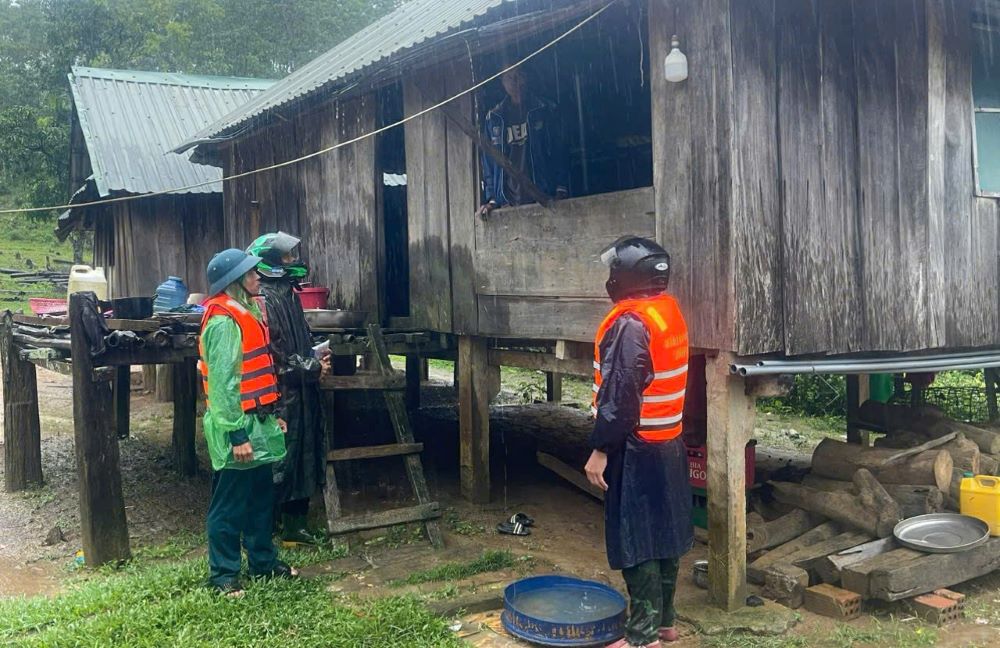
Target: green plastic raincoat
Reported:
[(226, 424)]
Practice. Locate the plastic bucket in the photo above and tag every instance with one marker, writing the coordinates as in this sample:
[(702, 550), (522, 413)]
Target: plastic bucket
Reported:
[(313, 296)]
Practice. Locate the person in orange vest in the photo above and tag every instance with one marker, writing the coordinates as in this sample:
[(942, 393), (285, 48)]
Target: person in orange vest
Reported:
[(638, 458), (243, 435)]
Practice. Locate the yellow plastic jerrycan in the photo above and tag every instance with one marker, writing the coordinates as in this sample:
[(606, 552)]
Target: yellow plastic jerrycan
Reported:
[(980, 498)]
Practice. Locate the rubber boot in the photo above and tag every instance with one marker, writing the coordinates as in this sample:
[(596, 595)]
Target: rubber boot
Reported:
[(295, 531)]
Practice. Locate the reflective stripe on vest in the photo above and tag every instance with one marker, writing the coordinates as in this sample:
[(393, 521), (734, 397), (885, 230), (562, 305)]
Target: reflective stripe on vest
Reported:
[(662, 409), (258, 382)]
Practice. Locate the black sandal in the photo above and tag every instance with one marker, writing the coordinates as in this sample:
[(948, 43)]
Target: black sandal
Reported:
[(523, 519), (281, 570), (515, 528)]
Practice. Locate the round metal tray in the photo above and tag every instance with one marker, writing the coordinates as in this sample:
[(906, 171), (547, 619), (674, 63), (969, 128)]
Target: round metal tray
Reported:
[(557, 627), (942, 532)]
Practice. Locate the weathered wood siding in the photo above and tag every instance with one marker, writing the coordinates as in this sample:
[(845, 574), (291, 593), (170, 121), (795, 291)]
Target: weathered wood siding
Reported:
[(142, 242), (328, 200), (538, 271), (813, 175)]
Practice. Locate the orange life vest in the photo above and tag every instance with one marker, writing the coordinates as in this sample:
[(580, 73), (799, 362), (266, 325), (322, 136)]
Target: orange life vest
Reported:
[(258, 383), (660, 418)]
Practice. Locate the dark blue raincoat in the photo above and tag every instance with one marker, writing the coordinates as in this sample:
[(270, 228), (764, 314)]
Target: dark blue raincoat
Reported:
[(647, 508)]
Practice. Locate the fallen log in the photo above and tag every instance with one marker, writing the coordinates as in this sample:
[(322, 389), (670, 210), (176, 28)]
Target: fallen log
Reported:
[(871, 510), (764, 535), (927, 421), (840, 460), (830, 568), (965, 454), (758, 568), (913, 499), (989, 464), (933, 571), (856, 577), (786, 580)]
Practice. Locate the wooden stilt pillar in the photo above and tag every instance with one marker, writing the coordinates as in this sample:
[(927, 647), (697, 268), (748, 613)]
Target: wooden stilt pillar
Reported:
[(730, 424), (477, 381), (553, 387), (185, 377), (149, 378), (123, 397), (425, 369), (22, 446), (413, 376), (103, 525), (164, 383)]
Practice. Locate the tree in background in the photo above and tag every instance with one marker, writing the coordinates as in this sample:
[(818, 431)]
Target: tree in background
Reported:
[(41, 39)]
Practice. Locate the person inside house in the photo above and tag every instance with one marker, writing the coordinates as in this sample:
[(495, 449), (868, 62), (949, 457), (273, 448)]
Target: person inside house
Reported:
[(303, 470), (638, 457), (524, 128), (243, 433)]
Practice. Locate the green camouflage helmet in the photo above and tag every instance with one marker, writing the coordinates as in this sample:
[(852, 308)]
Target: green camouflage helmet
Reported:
[(271, 248)]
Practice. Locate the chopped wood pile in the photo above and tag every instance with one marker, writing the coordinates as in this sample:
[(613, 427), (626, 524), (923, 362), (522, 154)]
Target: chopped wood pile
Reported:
[(826, 541)]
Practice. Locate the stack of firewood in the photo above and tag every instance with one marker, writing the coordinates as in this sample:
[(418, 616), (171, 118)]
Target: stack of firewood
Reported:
[(836, 527)]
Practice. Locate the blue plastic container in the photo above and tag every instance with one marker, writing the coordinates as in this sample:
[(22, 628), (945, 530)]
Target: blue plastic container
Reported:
[(170, 294), (563, 611)]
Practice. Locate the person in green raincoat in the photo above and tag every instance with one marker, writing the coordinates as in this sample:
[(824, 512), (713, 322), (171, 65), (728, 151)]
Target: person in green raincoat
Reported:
[(243, 435)]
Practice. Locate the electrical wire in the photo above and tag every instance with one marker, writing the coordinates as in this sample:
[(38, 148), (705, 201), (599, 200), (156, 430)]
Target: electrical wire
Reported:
[(237, 176)]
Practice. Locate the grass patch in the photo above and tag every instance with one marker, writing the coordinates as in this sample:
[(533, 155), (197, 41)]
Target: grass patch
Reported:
[(887, 633), (166, 603), (490, 561), (460, 526), (304, 556), (731, 639)]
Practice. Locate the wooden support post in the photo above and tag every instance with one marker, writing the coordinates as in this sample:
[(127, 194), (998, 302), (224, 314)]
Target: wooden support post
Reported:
[(475, 390), (21, 429), (123, 396), (103, 526), (730, 424), (185, 379), (164, 383), (413, 375), (553, 387), (992, 376), (149, 378), (425, 369)]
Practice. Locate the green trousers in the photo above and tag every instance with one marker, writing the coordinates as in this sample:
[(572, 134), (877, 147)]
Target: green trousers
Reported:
[(651, 587), (241, 508)]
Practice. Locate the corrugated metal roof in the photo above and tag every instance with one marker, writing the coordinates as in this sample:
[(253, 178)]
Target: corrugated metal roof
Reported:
[(413, 23), (131, 119)]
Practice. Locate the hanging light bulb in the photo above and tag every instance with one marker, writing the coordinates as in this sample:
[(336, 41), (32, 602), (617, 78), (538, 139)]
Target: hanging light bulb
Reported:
[(675, 66)]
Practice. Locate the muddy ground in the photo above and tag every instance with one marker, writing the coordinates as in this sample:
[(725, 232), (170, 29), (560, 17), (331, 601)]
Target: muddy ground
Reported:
[(568, 537)]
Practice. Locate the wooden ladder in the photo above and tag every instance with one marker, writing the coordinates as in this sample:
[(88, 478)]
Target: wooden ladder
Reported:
[(391, 384)]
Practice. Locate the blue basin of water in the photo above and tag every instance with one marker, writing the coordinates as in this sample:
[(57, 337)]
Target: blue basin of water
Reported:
[(563, 611)]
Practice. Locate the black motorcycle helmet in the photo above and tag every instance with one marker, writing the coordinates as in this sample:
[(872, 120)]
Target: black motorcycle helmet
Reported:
[(638, 267)]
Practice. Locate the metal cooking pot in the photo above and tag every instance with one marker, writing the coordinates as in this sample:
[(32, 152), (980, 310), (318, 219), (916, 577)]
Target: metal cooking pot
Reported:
[(335, 319)]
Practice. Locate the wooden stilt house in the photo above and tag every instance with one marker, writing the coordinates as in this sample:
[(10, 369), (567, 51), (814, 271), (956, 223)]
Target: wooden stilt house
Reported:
[(825, 179)]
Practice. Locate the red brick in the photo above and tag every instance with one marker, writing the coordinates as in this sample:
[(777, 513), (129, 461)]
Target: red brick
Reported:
[(833, 602), (936, 609)]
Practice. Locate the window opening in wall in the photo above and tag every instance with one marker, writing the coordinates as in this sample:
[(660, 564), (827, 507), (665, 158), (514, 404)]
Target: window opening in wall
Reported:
[(576, 119), (986, 105), (390, 171)]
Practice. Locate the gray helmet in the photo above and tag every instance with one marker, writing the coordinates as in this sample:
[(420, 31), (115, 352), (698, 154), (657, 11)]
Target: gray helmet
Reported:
[(226, 267)]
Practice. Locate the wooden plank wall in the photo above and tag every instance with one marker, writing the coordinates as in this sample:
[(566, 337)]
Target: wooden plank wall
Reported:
[(692, 163), (539, 272), (854, 223), (427, 202), (142, 242), (328, 201)]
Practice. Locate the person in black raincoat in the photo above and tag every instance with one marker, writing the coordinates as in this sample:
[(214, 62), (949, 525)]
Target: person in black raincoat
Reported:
[(638, 456), (303, 470)]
